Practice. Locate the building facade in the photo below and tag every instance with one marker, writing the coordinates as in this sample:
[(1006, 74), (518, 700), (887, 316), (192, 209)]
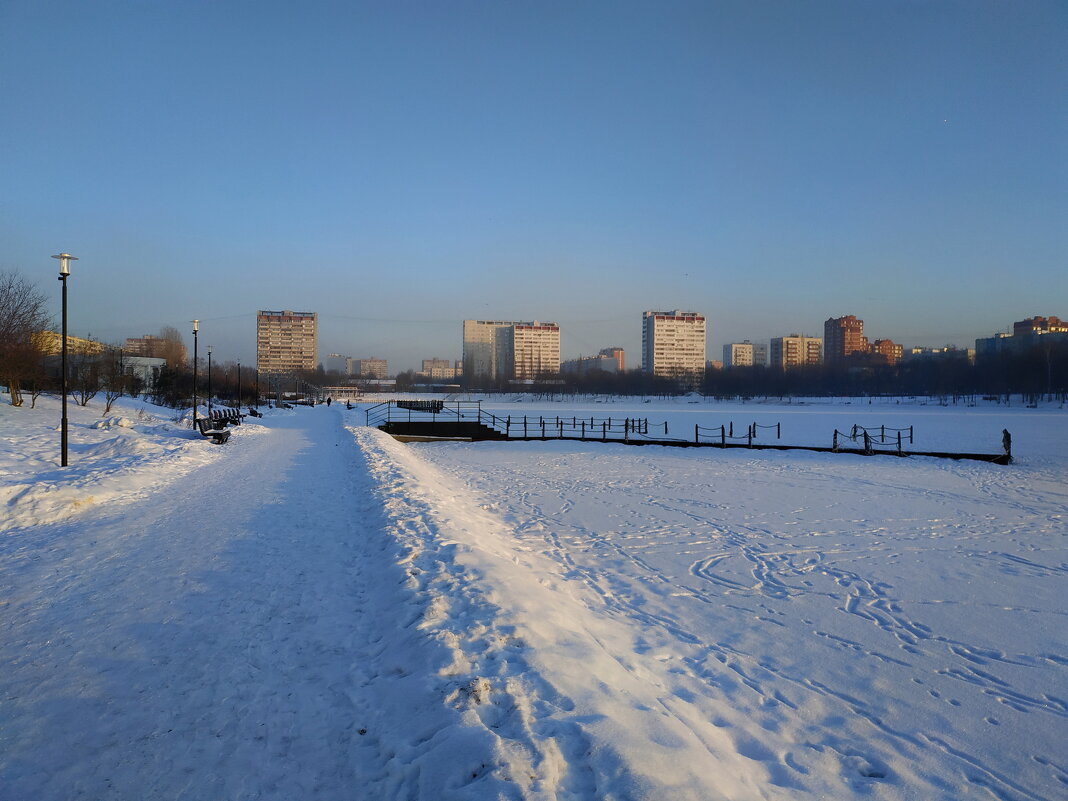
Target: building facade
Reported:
[(337, 363), (51, 344), (370, 368), (147, 345), (618, 354), (888, 350), (498, 350), (1026, 334), (1039, 325), (673, 344), (588, 364), (745, 354), (439, 369), (795, 350), (286, 341), (535, 350), (842, 337)]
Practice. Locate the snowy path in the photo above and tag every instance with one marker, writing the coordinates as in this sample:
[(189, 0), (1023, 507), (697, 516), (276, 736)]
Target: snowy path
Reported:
[(196, 644)]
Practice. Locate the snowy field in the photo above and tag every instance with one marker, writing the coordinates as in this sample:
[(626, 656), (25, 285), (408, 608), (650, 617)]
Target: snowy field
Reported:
[(314, 610)]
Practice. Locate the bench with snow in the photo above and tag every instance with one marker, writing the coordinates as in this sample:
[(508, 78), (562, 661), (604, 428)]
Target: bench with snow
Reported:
[(227, 417), (255, 412), (209, 428)]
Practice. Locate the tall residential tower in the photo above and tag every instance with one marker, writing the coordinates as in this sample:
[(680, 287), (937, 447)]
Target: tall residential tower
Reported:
[(286, 341), (498, 350), (673, 344)]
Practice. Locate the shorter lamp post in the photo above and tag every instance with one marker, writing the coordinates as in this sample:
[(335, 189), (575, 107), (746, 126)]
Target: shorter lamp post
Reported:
[(196, 328), (239, 386), (64, 270), (209, 380)]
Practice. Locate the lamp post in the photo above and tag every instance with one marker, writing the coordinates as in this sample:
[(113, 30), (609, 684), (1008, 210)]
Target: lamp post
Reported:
[(64, 270), (209, 380), (196, 327), (239, 386)]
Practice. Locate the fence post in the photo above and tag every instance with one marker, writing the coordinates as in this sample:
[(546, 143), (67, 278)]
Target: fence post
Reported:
[(778, 430), (882, 433), (696, 433), (722, 437), (1006, 442), (543, 428), (732, 429), (584, 429), (750, 443), (910, 435), (604, 429), (524, 425), (898, 443), (853, 435), (834, 443), (867, 443), (665, 428), (560, 426)]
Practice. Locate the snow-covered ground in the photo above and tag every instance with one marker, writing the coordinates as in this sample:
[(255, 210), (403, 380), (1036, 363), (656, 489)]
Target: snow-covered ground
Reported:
[(314, 610)]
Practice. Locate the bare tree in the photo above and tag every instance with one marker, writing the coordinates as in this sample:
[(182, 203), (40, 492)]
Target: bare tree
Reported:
[(171, 348), (85, 378), (113, 380), (22, 315)]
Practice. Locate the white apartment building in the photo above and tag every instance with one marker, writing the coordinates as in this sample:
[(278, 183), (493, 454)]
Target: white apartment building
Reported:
[(745, 354), (286, 341), (535, 350), (796, 350), (502, 350), (673, 343)]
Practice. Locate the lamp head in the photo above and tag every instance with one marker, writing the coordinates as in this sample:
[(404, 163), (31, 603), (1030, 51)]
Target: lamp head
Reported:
[(64, 263), (196, 325)]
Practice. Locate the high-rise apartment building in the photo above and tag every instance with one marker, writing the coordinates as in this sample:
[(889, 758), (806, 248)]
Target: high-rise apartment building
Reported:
[(486, 344), (673, 344), (888, 350), (286, 341), (535, 350), (745, 354), (842, 337), (499, 350), (795, 350), (370, 368)]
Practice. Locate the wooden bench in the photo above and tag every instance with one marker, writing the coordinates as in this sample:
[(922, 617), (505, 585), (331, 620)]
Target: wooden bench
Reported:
[(255, 412), (208, 428)]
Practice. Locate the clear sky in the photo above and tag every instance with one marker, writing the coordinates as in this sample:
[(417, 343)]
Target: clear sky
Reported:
[(400, 166)]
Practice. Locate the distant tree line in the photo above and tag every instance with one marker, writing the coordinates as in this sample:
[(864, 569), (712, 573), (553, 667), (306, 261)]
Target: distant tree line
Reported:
[(1041, 371)]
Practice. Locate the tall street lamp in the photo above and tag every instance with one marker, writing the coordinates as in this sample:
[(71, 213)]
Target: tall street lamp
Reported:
[(209, 380), (64, 270), (196, 327), (239, 386)]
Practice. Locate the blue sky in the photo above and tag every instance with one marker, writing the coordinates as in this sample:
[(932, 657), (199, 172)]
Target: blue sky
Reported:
[(400, 166)]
